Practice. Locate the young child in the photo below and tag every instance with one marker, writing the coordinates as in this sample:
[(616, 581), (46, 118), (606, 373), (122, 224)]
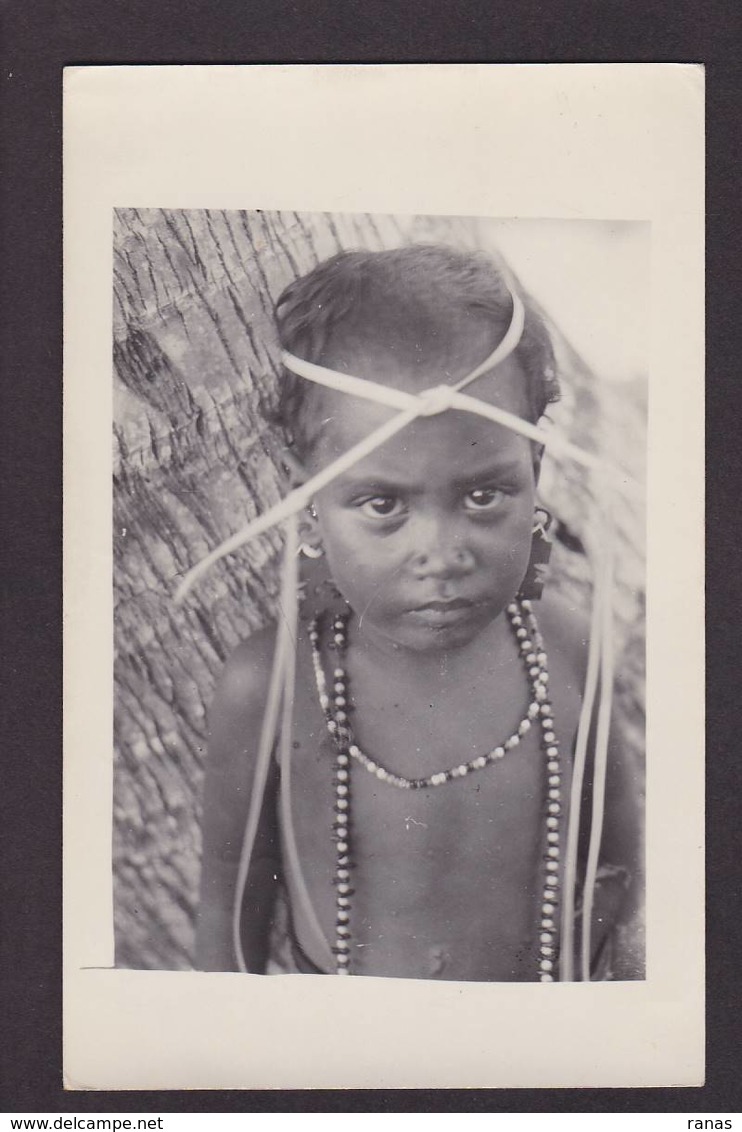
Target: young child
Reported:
[(435, 711)]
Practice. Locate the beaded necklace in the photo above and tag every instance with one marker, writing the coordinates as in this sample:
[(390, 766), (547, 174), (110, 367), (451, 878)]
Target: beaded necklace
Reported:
[(336, 706)]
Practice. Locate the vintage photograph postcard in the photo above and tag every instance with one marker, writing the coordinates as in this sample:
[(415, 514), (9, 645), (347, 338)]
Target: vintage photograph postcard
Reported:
[(383, 590)]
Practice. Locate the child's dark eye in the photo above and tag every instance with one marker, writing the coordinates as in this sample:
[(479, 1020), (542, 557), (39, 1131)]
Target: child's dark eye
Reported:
[(483, 499), (382, 506)]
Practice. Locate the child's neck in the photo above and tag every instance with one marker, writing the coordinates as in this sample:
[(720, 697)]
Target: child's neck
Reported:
[(439, 666)]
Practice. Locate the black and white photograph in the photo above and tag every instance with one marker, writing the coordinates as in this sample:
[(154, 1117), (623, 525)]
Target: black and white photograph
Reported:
[(383, 754), (399, 731)]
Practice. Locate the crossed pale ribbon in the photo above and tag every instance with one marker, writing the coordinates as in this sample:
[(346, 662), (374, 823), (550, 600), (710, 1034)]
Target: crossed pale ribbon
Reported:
[(277, 720)]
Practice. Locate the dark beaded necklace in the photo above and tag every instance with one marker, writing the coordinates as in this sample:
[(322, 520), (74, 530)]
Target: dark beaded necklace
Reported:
[(336, 707)]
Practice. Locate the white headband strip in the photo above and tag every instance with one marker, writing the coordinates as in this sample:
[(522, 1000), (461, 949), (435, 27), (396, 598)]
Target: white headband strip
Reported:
[(428, 403), (395, 398)]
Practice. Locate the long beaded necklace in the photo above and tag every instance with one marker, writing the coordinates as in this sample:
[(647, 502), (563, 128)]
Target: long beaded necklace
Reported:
[(336, 707)]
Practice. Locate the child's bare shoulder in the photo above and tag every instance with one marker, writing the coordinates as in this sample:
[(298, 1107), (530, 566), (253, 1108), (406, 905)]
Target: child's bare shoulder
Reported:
[(246, 673), (566, 631), (235, 715)]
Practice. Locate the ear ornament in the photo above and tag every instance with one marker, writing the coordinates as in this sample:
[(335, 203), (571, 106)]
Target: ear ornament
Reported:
[(311, 551), (532, 586)]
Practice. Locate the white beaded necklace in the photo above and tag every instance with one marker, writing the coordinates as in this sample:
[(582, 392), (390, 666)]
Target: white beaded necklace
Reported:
[(336, 708)]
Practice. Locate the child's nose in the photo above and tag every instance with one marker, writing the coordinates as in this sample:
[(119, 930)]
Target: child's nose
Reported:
[(439, 551)]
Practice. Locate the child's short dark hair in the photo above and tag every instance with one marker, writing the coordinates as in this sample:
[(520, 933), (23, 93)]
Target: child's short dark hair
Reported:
[(435, 291)]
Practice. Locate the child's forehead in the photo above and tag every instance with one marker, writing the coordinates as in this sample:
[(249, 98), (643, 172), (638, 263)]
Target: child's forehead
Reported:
[(449, 437), (422, 464)]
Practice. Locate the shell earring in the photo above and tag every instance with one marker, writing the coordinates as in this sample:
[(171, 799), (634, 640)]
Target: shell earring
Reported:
[(532, 586), (310, 551)]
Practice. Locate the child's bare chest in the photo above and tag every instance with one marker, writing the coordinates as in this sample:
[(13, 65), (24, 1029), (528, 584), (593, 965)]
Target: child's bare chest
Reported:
[(446, 879)]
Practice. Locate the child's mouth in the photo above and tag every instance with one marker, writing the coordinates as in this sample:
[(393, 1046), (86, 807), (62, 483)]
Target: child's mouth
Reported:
[(444, 613)]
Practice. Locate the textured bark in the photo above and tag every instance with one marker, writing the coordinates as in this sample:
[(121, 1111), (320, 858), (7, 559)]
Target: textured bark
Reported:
[(195, 364)]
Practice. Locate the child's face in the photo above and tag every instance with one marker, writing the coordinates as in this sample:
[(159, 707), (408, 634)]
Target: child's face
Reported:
[(428, 538)]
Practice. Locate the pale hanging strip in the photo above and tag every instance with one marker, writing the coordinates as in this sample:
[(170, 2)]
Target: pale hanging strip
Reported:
[(280, 701), (566, 962), (262, 764), (601, 743), (289, 626)]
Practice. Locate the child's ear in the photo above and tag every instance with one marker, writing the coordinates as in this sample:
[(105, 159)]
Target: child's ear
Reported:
[(295, 474), (293, 469)]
